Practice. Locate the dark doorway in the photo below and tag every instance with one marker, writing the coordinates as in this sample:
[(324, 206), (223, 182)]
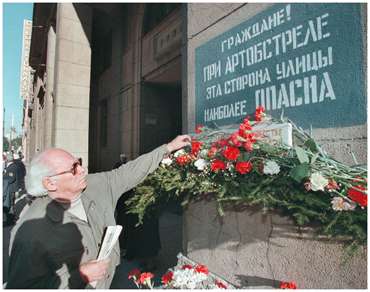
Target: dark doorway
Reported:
[(160, 119)]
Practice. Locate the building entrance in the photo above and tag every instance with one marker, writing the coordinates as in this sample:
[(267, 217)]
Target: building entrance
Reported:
[(160, 119)]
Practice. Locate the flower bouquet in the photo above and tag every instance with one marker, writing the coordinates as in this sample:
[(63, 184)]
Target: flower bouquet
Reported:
[(185, 275), (188, 275), (239, 167)]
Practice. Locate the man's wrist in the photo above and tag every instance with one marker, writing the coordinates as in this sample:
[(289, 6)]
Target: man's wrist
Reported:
[(169, 148)]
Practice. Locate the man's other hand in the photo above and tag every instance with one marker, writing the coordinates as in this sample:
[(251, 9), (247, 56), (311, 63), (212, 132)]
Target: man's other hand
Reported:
[(94, 270), (178, 143)]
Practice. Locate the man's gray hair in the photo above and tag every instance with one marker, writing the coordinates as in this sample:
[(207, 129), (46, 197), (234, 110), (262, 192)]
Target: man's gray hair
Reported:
[(36, 170)]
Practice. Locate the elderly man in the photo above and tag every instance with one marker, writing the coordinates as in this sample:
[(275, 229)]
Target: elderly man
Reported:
[(56, 242)]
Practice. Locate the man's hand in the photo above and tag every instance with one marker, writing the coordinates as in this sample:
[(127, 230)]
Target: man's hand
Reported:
[(94, 270), (178, 143)]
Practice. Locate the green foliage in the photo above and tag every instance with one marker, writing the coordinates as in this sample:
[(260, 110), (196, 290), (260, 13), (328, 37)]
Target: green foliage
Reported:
[(284, 191)]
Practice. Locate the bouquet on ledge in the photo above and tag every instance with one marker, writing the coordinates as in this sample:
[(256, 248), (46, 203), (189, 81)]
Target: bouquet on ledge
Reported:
[(239, 167)]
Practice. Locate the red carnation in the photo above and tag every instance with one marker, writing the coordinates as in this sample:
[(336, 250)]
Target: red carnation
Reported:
[(145, 276), (217, 164), (135, 273), (199, 129), (288, 285), (220, 285), (251, 137), (243, 167), (212, 152), (358, 195), (195, 147), (231, 153), (166, 278), (201, 269), (183, 159), (244, 128), (189, 267), (260, 113)]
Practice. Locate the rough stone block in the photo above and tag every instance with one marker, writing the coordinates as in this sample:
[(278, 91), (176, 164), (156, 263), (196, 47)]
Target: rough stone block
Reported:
[(256, 250)]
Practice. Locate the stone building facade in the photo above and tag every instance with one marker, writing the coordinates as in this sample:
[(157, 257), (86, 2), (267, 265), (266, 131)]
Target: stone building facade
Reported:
[(107, 79), (125, 78), (121, 78)]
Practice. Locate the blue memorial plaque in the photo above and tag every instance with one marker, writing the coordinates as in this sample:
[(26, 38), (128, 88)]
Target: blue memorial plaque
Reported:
[(305, 59)]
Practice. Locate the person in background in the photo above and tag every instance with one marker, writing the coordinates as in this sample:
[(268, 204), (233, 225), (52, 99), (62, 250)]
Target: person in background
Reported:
[(56, 242), (10, 189)]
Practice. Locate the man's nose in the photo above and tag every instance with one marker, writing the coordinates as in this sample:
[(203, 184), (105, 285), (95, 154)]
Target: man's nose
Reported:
[(81, 169)]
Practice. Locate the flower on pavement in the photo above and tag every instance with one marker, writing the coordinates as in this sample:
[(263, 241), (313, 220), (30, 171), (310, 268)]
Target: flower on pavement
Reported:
[(288, 285), (134, 274), (201, 269), (167, 278), (145, 279), (220, 285)]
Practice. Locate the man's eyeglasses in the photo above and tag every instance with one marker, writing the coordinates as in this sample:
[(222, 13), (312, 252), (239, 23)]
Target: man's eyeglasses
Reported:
[(73, 169)]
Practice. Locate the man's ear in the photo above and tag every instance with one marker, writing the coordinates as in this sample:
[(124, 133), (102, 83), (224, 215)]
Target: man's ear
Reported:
[(49, 184)]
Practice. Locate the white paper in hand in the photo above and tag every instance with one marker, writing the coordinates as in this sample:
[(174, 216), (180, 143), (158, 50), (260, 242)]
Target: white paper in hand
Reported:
[(110, 238)]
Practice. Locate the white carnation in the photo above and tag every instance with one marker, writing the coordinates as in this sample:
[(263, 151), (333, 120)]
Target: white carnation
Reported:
[(179, 153), (271, 167), (166, 161), (200, 164), (318, 182)]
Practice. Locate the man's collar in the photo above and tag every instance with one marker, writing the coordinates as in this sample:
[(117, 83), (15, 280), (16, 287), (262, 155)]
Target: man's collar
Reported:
[(55, 210)]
